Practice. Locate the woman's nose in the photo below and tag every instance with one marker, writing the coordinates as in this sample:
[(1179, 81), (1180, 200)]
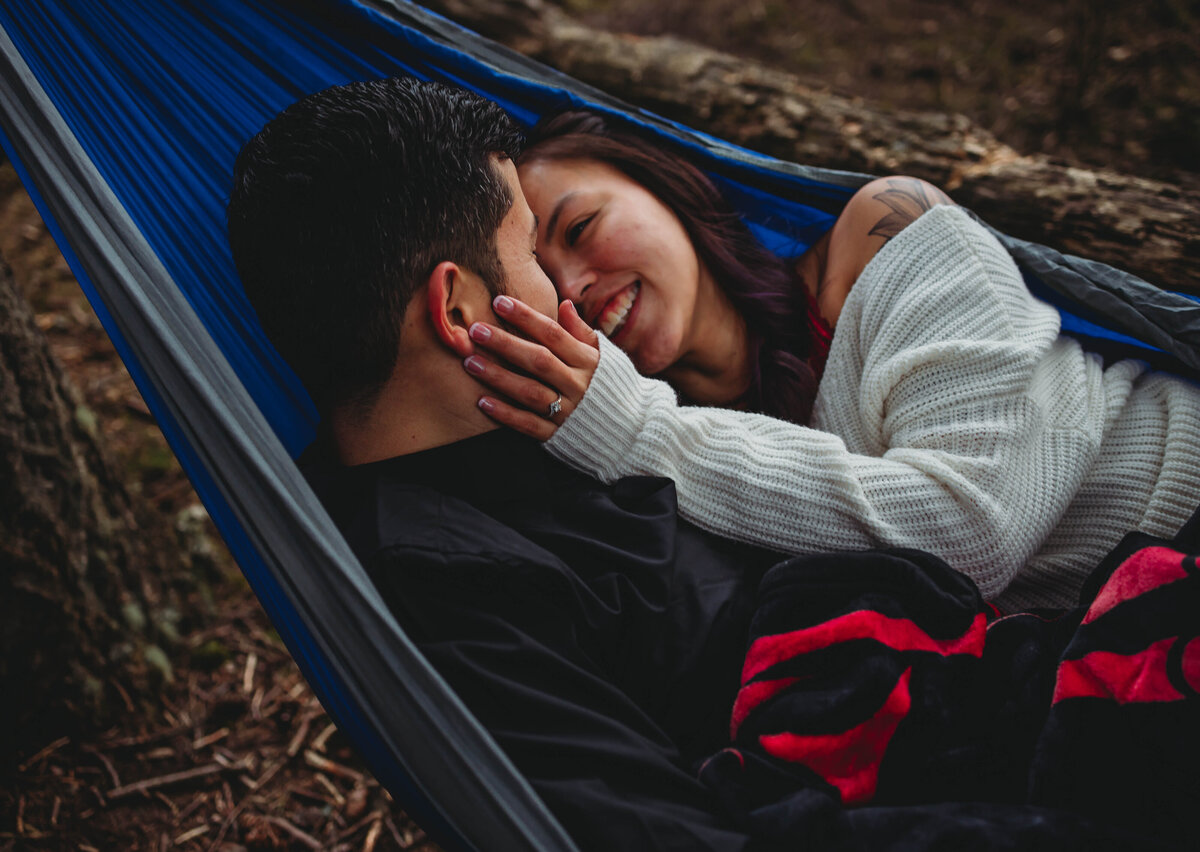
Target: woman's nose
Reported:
[(574, 281)]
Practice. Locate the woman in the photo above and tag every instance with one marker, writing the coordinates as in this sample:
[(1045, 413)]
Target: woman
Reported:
[(951, 416)]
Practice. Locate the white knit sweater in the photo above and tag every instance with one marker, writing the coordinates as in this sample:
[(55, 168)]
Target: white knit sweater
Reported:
[(951, 418)]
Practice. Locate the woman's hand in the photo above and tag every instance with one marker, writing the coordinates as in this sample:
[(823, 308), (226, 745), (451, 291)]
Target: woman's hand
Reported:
[(557, 361)]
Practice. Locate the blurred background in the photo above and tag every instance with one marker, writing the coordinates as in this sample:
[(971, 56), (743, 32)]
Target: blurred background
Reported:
[(1093, 83)]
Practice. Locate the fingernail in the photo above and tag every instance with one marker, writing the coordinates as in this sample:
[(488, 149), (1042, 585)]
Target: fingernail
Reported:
[(502, 304), (479, 331), (474, 365), (486, 404)]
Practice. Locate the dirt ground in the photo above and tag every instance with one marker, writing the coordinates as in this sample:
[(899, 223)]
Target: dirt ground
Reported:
[(238, 754)]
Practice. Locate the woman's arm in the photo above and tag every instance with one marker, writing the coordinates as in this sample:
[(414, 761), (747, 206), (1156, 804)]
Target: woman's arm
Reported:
[(877, 212), (958, 451)]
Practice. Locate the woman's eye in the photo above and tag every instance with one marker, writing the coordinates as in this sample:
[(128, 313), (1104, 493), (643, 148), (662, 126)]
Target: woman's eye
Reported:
[(576, 230)]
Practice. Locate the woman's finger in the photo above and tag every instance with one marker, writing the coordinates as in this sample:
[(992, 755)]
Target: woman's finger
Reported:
[(525, 422), (530, 393), (529, 357), (569, 318), (542, 329)]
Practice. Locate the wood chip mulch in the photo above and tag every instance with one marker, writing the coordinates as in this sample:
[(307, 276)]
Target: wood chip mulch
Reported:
[(238, 755)]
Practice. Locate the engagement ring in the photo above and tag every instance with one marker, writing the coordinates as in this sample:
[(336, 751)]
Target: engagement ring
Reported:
[(555, 406)]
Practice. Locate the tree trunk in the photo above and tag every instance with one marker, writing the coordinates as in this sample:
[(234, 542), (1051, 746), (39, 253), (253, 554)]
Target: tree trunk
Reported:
[(1147, 227), (88, 588)]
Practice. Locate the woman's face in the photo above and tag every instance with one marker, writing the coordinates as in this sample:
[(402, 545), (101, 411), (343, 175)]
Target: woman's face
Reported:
[(620, 255)]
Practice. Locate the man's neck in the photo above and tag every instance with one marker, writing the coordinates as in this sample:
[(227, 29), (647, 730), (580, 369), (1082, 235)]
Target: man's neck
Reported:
[(409, 416)]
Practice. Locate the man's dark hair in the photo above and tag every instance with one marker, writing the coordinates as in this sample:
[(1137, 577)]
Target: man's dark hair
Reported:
[(343, 205)]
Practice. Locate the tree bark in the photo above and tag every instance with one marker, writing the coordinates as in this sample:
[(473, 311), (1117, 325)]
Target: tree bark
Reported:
[(1147, 227), (88, 586)]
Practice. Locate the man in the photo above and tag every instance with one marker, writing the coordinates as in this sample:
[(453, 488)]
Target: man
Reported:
[(597, 637)]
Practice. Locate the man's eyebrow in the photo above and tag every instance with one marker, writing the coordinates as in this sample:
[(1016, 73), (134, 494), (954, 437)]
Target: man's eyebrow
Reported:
[(558, 208)]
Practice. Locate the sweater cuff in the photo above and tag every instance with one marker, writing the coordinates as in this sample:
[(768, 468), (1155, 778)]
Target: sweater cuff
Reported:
[(598, 437)]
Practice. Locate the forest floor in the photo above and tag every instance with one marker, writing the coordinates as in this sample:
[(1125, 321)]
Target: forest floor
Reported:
[(235, 753), (238, 753)]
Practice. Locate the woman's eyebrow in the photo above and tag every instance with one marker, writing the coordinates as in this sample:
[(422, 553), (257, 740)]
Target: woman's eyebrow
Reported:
[(552, 223)]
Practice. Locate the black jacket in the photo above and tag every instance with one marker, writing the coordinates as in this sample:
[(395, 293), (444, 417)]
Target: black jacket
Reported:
[(597, 636)]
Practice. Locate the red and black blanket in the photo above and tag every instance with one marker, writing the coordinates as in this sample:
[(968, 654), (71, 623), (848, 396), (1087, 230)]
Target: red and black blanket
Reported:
[(885, 705)]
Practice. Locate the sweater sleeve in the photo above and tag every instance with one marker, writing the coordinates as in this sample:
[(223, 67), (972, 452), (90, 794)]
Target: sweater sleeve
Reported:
[(964, 442)]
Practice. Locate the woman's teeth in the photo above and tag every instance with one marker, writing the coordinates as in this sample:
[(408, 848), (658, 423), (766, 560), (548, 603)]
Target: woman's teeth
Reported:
[(617, 312)]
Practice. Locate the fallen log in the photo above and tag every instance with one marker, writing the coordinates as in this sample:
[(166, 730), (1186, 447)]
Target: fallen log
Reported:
[(1148, 227)]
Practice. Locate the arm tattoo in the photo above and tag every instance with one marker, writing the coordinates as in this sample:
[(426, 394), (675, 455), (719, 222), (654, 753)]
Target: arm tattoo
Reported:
[(907, 198)]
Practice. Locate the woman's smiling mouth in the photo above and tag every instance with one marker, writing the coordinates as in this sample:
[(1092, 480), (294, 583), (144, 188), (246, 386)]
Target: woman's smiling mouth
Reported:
[(616, 312)]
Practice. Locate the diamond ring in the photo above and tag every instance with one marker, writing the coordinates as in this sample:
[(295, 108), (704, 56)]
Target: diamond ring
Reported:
[(555, 406)]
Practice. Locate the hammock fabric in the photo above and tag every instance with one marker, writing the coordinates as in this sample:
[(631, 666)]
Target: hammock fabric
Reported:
[(123, 118)]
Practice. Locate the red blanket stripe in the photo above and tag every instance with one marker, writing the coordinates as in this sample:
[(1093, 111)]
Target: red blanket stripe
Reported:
[(1147, 569), (1127, 679), (901, 634), (848, 760), (1190, 663)]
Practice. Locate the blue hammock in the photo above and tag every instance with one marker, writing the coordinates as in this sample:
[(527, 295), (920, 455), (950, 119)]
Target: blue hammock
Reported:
[(123, 118)]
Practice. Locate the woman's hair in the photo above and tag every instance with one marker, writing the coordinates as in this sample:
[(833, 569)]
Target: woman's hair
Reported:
[(788, 341)]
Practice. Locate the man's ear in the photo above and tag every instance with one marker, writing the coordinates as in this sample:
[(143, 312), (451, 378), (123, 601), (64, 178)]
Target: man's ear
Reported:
[(448, 298)]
